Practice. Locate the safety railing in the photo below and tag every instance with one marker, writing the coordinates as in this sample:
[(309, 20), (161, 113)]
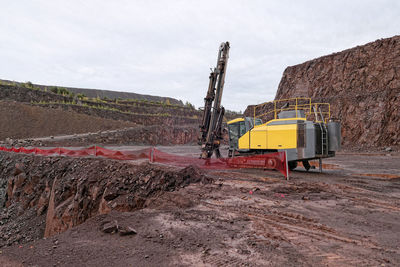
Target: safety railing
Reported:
[(317, 112)]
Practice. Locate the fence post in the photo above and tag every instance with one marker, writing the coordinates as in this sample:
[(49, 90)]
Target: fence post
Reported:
[(95, 150), (152, 155), (287, 166)]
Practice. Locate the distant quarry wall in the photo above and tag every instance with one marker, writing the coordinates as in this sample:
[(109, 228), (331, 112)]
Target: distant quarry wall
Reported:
[(29, 112), (362, 84)]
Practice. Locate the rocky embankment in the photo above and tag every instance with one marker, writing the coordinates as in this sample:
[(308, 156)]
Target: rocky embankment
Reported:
[(30, 112), (94, 93), (170, 118), (20, 120), (42, 196), (138, 135), (362, 84), (140, 112)]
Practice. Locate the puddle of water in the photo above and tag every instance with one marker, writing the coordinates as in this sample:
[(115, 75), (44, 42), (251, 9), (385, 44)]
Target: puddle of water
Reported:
[(379, 175)]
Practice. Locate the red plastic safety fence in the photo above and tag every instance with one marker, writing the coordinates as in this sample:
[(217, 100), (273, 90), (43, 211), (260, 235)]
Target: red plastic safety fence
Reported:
[(271, 161), (90, 151), (123, 155)]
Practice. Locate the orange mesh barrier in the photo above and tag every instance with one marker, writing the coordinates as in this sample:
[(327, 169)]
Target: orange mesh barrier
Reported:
[(124, 154), (270, 161)]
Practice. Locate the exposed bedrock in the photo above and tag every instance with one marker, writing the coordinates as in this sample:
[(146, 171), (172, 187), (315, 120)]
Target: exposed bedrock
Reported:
[(60, 193), (362, 84), (139, 135)]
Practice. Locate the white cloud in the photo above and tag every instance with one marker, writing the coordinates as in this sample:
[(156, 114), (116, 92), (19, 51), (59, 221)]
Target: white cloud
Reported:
[(167, 47)]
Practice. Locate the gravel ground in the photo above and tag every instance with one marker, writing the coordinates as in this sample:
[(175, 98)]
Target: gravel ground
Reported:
[(346, 216)]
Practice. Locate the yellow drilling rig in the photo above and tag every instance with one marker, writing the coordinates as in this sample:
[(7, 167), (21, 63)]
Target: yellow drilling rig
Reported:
[(299, 126)]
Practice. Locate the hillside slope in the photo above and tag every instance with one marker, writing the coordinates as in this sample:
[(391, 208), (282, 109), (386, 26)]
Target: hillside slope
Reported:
[(28, 111), (20, 120), (362, 84), (94, 93), (141, 112)]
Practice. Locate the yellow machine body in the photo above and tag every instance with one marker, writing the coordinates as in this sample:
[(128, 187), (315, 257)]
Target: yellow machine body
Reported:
[(299, 127), (267, 136)]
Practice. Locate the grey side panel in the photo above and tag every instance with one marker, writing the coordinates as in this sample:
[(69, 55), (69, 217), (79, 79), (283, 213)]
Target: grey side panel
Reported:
[(309, 151), (301, 135), (334, 136), (309, 148), (291, 154)]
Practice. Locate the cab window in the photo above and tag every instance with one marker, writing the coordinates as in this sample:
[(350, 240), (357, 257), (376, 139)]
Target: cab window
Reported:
[(233, 131), (242, 128)]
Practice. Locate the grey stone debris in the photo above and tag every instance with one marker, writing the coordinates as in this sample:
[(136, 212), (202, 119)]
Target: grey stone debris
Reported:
[(126, 230), (111, 227)]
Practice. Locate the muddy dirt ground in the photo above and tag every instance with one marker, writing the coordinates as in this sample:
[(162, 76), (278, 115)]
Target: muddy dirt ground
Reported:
[(349, 215)]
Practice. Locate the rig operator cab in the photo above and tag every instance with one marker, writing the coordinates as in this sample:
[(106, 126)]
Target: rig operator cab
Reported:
[(301, 128)]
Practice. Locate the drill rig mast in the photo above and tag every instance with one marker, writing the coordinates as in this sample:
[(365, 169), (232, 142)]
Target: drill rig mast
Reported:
[(211, 126)]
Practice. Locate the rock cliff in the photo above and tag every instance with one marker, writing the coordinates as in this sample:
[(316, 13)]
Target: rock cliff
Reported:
[(362, 84)]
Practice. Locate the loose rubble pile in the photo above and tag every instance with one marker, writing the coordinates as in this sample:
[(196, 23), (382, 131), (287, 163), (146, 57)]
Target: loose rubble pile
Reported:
[(42, 196)]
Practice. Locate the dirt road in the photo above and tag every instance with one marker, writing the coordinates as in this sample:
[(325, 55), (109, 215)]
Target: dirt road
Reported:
[(346, 216)]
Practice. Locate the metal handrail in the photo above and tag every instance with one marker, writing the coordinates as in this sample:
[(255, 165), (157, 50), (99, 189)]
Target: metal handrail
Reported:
[(298, 105)]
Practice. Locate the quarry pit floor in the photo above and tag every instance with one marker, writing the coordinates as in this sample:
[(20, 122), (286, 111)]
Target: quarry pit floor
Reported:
[(349, 215)]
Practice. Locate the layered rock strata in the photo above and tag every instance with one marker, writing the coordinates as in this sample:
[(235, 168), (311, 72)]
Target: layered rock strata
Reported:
[(362, 84)]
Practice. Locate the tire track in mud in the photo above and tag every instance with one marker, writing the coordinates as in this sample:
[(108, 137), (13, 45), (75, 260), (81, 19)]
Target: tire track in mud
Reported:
[(363, 196), (307, 249), (306, 235), (288, 222), (224, 260), (358, 194)]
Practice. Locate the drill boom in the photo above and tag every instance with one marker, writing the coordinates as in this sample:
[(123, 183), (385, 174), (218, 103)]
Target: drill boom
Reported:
[(213, 113)]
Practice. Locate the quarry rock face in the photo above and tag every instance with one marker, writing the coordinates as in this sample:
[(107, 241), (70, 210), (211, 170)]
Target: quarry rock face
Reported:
[(139, 135), (60, 193), (28, 112), (362, 84)]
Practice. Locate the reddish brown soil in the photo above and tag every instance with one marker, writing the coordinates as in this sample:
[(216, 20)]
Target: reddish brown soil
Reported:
[(25, 124), (138, 135), (139, 112), (251, 217), (20, 120)]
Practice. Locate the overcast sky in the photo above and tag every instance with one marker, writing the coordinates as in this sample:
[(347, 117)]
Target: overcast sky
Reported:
[(167, 48)]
